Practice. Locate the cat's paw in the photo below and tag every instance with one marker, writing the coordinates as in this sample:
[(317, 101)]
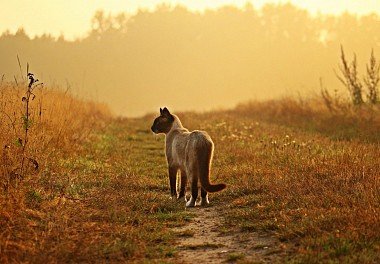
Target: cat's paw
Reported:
[(190, 203), (203, 202)]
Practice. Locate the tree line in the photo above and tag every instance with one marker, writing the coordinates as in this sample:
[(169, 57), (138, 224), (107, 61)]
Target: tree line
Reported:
[(196, 60)]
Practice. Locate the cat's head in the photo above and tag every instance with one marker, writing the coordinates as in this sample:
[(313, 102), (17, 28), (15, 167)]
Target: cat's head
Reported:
[(164, 122)]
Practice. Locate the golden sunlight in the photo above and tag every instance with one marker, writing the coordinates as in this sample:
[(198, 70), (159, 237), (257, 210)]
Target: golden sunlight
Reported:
[(190, 131)]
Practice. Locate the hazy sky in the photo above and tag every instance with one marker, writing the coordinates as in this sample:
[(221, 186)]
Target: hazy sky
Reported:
[(73, 17)]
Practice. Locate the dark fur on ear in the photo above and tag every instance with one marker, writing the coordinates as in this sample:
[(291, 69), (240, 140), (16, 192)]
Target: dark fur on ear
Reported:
[(166, 113), (160, 111)]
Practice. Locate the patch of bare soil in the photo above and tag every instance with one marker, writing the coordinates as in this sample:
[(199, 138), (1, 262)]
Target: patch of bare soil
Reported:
[(205, 240)]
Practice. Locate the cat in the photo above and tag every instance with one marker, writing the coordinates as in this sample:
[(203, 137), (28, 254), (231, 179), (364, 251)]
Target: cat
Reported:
[(189, 152)]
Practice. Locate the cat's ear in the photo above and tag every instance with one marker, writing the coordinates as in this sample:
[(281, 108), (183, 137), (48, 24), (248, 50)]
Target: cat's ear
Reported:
[(166, 112), (160, 111)]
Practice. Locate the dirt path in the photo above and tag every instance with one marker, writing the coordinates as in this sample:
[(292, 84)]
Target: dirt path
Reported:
[(205, 240)]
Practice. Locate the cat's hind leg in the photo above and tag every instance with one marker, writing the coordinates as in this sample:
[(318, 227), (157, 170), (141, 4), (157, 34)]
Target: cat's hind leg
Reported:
[(182, 191), (173, 181), (194, 190)]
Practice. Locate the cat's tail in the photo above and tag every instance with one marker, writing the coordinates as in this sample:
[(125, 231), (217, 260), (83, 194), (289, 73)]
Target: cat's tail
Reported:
[(205, 157)]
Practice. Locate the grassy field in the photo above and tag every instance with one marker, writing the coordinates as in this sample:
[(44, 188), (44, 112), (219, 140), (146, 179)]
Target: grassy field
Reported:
[(101, 194)]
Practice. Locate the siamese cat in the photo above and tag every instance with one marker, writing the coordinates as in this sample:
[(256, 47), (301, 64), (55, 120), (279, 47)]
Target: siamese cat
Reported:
[(188, 152)]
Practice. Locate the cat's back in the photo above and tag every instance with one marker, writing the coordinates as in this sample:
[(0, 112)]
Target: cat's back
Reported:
[(198, 142), (200, 137)]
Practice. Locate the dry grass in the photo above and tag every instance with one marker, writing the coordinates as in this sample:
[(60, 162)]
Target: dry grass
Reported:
[(320, 195), (344, 122), (101, 194), (297, 171), (58, 126)]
